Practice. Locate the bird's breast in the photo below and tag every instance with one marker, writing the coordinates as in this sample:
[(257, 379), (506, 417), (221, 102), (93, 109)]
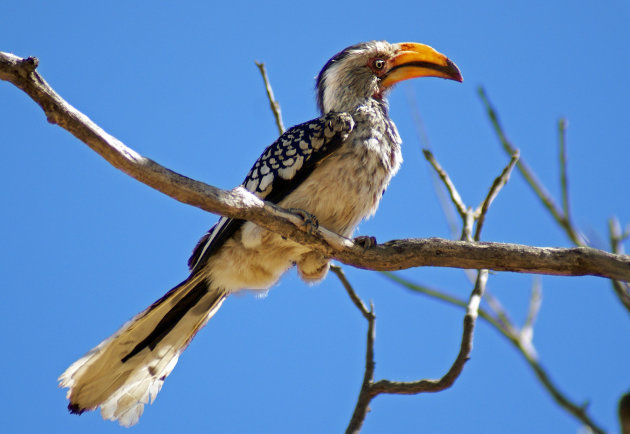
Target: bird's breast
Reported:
[(348, 185)]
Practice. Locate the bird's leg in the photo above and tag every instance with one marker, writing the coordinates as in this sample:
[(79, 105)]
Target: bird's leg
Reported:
[(308, 220), (365, 241)]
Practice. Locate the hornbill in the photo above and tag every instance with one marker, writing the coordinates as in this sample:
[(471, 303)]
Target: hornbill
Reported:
[(334, 168)]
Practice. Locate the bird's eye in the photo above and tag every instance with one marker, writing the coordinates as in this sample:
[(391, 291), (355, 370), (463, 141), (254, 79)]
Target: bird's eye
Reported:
[(378, 64)]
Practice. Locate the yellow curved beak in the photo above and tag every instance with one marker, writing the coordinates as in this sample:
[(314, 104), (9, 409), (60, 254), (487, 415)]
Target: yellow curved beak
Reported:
[(419, 60)]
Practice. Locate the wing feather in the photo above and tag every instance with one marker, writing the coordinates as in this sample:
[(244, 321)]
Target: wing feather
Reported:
[(281, 168)]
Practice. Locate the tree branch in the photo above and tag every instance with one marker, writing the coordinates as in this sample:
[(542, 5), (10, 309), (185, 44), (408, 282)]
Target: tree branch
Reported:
[(238, 203), (497, 185), (275, 106), (386, 386), (562, 159), (456, 199)]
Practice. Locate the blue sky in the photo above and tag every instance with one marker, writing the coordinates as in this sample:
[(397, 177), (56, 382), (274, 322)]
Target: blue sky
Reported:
[(84, 247)]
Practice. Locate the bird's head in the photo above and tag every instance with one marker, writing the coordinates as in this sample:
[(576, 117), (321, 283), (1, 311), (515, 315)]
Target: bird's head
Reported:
[(370, 69)]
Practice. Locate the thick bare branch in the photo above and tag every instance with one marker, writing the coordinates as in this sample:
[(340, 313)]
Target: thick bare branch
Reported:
[(238, 203)]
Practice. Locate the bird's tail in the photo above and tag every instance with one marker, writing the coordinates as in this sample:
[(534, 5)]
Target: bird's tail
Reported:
[(127, 370)]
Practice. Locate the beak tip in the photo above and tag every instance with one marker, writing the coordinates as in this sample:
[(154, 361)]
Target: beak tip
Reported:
[(454, 71)]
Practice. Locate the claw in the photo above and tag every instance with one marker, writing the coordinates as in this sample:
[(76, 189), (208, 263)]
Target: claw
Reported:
[(309, 220), (366, 242)]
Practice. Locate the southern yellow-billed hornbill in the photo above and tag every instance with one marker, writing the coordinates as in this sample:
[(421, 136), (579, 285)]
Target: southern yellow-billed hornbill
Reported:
[(335, 167)]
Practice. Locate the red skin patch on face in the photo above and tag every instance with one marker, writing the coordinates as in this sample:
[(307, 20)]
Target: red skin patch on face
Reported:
[(380, 73)]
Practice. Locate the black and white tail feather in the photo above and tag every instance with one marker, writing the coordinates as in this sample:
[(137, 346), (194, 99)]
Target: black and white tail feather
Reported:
[(127, 370)]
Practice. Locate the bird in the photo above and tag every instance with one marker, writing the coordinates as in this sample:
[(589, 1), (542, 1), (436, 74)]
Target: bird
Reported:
[(332, 170)]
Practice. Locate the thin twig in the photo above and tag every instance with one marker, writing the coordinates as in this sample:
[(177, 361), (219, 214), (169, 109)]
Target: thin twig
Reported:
[(365, 395), (447, 298), (615, 236), (528, 174), (446, 205), (535, 301), (562, 158), (527, 331), (500, 313), (455, 197), (367, 314), (497, 185), (425, 143), (363, 402), (275, 106)]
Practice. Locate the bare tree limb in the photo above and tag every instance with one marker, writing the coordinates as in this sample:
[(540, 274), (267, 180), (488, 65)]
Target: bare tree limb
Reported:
[(238, 203)]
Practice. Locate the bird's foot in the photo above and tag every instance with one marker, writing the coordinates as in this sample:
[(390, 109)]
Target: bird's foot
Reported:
[(309, 221), (366, 242)]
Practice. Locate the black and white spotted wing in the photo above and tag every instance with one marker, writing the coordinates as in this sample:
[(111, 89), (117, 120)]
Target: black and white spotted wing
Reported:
[(281, 168)]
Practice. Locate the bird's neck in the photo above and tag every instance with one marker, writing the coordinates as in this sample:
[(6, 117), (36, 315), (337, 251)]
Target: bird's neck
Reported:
[(377, 103)]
